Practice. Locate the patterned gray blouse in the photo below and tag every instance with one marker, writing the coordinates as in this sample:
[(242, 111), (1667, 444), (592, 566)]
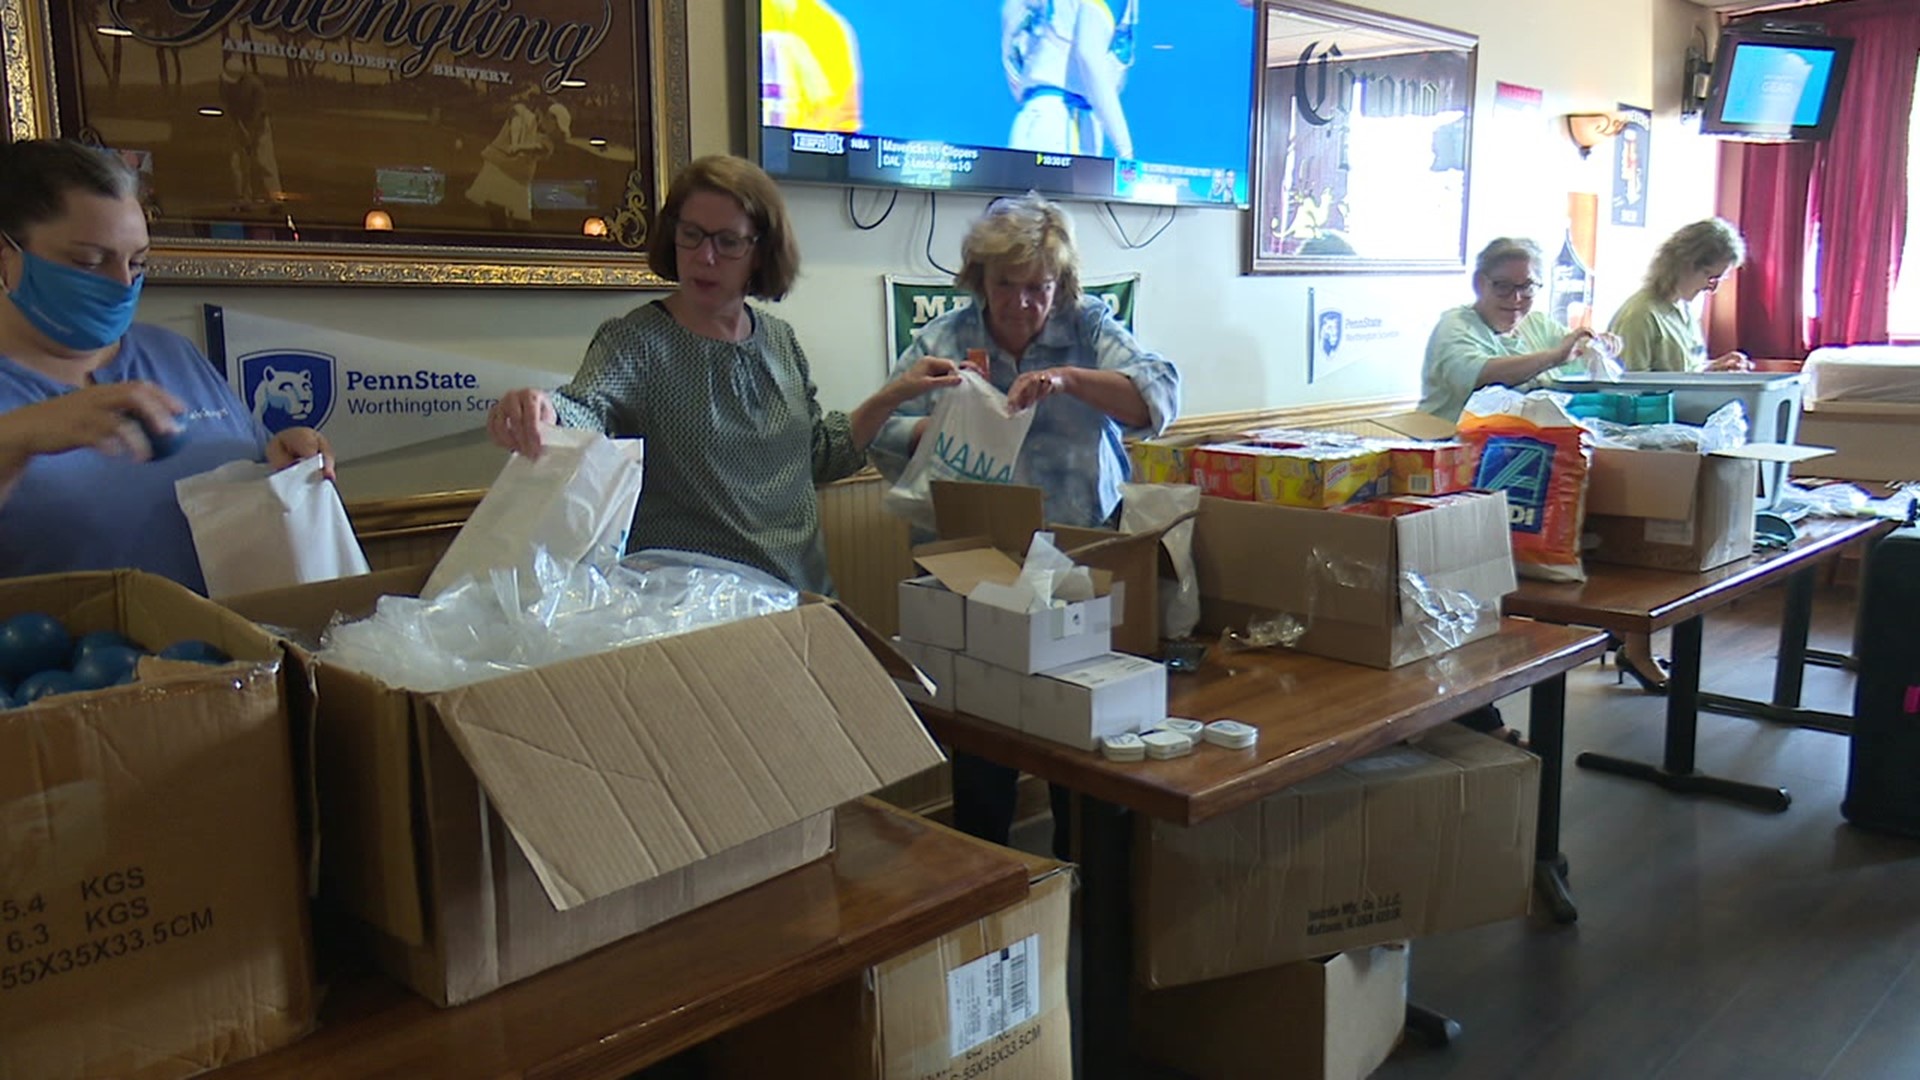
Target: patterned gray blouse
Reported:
[(735, 437)]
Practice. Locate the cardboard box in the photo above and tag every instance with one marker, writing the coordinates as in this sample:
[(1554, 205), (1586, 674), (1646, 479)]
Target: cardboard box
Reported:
[(1003, 628), (988, 691), (936, 664), (1334, 1018), (932, 614), (152, 891), (1284, 474), (493, 831), (1167, 459), (1428, 468), (1086, 702), (931, 1013), (1415, 840), (1672, 510), (1007, 516), (1371, 590)]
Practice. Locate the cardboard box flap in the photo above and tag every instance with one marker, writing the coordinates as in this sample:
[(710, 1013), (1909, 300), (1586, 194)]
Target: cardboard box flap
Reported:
[(1425, 427), (1643, 483), (616, 768), (307, 610), (1766, 451), (1439, 546), (1006, 514), (962, 564)]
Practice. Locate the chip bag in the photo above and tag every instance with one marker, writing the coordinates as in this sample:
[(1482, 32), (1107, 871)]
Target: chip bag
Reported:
[(1530, 447)]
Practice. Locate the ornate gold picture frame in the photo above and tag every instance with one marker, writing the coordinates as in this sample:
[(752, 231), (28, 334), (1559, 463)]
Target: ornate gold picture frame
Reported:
[(442, 142)]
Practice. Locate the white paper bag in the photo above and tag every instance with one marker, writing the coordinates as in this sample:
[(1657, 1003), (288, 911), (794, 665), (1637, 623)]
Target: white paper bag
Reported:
[(1146, 507), (576, 502), (972, 435), (258, 529)]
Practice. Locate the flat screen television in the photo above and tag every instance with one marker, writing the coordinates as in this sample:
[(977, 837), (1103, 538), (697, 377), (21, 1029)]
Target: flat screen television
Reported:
[(1773, 85), (1147, 101)]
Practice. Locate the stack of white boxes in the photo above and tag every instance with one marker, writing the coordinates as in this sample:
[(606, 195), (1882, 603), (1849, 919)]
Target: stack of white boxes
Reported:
[(1050, 673)]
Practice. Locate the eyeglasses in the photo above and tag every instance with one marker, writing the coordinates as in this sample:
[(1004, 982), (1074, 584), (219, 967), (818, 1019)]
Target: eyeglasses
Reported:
[(728, 245), (1513, 290)]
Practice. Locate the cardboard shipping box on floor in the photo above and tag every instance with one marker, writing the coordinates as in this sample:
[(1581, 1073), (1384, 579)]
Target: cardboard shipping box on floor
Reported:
[(495, 830), (1370, 590), (985, 1002), (153, 919), (1676, 510), (1333, 1018), (1418, 839), (1007, 516)]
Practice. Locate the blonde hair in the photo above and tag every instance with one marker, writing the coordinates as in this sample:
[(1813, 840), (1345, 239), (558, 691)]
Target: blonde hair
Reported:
[(1021, 231), (1507, 249), (1702, 245), (757, 194)]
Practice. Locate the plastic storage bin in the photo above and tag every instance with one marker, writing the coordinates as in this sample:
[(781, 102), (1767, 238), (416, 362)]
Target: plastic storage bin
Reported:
[(1772, 402)]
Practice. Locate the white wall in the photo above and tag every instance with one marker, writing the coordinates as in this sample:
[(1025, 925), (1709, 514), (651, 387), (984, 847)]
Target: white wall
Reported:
[(1240, 340)]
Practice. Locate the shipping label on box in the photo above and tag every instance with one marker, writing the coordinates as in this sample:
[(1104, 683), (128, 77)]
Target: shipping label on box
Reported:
[(987, 1001), (1414, 841), (1081, 704)]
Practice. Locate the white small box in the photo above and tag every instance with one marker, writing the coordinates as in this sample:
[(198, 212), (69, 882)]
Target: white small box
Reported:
[(988, 692), (937, 665), (931, 614), (1028, 642), (1084, 703)]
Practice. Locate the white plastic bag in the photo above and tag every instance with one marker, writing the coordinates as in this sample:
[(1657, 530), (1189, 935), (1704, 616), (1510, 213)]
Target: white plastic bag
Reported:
[(576, 502), (1597, 360), (258, 529), (1146, 507), (973, 435)]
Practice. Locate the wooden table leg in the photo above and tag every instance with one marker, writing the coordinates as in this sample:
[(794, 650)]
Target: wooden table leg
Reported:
[(1106, 938), (1676, 773), (1546, 730)]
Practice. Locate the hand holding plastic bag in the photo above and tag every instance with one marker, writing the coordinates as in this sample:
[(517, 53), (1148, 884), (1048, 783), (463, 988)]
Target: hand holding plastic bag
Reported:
[(256, 529), (973, 435)]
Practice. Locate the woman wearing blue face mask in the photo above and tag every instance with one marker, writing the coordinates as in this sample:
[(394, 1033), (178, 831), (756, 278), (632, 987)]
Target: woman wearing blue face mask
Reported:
[(99, 416)]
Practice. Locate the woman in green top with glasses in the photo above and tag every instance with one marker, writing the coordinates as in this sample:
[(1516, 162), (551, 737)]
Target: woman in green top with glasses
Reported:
[(720, 389), (1499, 338)]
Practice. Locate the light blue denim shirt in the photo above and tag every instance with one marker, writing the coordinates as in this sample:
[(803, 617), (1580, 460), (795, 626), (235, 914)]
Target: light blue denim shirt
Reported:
[(1073, 452)]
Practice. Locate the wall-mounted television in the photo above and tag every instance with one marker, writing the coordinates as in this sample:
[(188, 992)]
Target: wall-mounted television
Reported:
[(1126, 100), (1775, 85)]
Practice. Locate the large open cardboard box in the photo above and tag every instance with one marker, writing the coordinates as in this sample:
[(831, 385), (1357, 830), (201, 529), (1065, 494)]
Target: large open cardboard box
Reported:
[(492, 831), (1672, 510), (1007, 516), (933, 1011), (1333, 1018), (1417, 839), (152, 891), (1370, 590)]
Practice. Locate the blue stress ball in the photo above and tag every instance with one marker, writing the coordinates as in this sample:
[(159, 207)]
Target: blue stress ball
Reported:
[(32, 642), (106, 665), (195, 651), (47, 684), (86, 643)]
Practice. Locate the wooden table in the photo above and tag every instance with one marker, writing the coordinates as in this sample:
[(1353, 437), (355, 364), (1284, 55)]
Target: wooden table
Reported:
[(894, 881), (1313, 714), (1630, 600)]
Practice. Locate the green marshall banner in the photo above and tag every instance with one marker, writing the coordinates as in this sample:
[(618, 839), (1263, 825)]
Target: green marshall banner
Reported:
[(914, 302)]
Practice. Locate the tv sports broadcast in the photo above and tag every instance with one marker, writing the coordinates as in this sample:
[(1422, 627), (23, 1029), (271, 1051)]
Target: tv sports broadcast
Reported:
[(1145, 101)]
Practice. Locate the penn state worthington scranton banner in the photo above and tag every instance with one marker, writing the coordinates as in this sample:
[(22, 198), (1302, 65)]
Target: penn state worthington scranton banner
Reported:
[(914, 302), (366, 394)]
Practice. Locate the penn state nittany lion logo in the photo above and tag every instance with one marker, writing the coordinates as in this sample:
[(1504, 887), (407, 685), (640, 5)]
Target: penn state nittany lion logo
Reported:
[(288, 388), (1333, 329)]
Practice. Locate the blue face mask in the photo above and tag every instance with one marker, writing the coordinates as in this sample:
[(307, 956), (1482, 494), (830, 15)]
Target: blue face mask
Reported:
[(76, 308)]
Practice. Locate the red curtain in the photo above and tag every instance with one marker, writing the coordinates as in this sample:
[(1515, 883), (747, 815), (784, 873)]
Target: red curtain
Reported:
[(1860, 174), (1852, 188), (1768, 317)]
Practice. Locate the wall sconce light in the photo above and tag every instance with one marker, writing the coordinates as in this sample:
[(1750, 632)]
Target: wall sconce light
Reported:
[(594, 226), (1588, 129), (379, 221)]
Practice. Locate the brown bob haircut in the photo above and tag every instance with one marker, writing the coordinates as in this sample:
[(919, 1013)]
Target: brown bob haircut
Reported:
[(747, 184)]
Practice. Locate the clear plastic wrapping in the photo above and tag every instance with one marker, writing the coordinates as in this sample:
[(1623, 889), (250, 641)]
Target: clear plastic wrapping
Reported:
[(1433, 618), (1725, 429), (476, 630)]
